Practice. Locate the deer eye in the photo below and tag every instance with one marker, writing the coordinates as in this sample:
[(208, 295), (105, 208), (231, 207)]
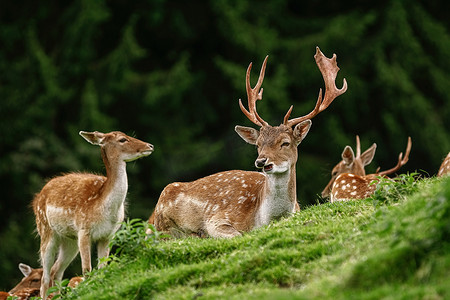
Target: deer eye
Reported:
[(285, 144), (334, 173), (123, 140)]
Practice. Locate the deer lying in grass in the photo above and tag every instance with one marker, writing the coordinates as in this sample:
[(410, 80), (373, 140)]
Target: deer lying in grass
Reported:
[(77, 209), (445, 167), (32, 278), (225, 204), (349, 179), (30, 284)]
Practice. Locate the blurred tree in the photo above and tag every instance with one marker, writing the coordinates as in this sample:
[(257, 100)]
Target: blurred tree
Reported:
[(171, 72)]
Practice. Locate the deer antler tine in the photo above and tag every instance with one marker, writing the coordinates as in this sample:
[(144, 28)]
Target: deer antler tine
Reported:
[(288, 114), (329, 69), (246, 112), (254, 94), (408, 150), (358, 146)]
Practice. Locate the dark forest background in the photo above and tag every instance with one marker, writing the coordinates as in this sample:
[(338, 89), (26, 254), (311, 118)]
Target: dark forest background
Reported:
[(171, 73)]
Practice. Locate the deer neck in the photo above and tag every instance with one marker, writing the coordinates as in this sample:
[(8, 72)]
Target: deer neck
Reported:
[(278, 197), (116, 185)]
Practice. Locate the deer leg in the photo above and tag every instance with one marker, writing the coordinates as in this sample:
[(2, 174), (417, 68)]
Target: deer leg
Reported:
[(84, 244), (68, 249), (48, 253), (221, 229), (102, 251)]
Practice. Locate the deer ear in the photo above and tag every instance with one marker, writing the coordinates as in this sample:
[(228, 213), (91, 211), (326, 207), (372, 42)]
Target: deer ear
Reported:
[(95, 138), (248, 134), (368, 155), (348, 156), (25, 269), (301, 130)]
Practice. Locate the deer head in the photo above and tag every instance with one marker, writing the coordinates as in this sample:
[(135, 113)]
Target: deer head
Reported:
[(31, 279), (277, 146)]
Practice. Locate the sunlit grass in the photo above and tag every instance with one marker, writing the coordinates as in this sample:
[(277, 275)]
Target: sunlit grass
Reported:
[(393, 245)]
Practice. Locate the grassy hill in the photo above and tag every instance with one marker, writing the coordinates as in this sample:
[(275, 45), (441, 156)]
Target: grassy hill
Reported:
[(395, 245)]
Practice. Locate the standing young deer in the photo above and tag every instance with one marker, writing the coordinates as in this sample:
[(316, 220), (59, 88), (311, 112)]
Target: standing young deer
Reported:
[(228, 203), (77, 209), (349, 179), (445, 167)]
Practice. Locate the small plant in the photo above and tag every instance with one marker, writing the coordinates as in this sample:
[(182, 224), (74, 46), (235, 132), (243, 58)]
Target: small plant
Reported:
[(133, 235), (392, 189), (60, 289)]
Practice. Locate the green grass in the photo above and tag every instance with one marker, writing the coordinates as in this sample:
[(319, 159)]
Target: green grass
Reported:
[(394, 245)]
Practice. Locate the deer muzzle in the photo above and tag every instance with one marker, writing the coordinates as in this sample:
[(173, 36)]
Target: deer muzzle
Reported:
[(260, 162)]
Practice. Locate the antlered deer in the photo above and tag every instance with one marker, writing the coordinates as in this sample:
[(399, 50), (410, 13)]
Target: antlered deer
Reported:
[(445, 167), (349, 179), (77, 209), (225, 204)]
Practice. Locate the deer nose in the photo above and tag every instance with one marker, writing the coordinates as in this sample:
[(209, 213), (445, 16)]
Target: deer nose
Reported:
[(260, 162), (150, 146)]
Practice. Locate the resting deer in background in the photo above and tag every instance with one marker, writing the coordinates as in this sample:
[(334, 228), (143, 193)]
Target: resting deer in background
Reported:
[(225, 204), (349, 179), (445, 167), (28, 287), (77, 209), (32, 281)]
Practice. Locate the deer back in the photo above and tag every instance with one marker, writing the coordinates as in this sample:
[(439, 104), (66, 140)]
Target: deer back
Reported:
[(350, 186)]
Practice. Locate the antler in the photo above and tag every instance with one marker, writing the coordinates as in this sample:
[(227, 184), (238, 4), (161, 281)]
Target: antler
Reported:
[(329, 69), (401, 162), (254, 94), (358, 146)]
